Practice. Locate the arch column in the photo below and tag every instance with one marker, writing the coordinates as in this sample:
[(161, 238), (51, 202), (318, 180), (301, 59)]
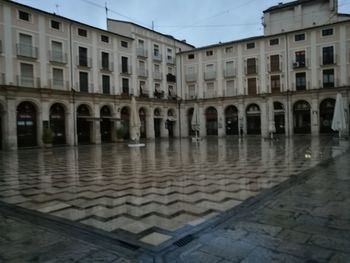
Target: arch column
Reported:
[(242, 130), (315, 127), (221, 121), (10, 123), (150, 123), (164, 133), (264, 118), (202, 122), (184, 124), (289, 117), (96, 125), (71, 121)]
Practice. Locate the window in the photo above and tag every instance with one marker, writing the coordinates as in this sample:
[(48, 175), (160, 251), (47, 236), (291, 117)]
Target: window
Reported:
[(156, 50), (299, 37), (57, 78), (300, 81), (82, 32), (27, 75), (24, 16), (252, 86), (299, 59), (57, 51), (124, 44), (230, 88), (143, 90), (83, 82), (83, 58), (275, 63), (328, 78), (192, 91), (210, 90), (105, 61), (25, 46), (170, 70), (125, 65), (104, 38), (55, 24), (251, 66), (105, 84), (327, 32), (125, 86), (191, 56), (250, 45), (229, 69), (229, 50), (275, 84), (141, 43), (274, 41), (209, 53), (327, 55)]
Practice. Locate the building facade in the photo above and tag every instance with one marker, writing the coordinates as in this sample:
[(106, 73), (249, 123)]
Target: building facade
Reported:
[(78, 80)]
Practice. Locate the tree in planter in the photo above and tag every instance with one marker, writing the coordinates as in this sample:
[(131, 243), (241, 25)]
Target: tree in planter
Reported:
[(47, 136)]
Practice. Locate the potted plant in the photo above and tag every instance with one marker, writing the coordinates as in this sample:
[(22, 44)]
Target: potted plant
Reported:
[(47, 137), (120, 134)]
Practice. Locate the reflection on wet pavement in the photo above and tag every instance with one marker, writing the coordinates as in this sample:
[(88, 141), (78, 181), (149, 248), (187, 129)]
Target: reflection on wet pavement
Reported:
[(149, 193)]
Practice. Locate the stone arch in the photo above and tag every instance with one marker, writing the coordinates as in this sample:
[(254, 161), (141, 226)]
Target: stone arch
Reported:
[(302, 117), (253, 116), (211, 120), (231, 120)]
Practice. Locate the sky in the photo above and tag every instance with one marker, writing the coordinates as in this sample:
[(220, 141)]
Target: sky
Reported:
[(199, 22)]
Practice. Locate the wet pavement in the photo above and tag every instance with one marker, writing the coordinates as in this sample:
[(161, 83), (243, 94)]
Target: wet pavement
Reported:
[(154, 196)]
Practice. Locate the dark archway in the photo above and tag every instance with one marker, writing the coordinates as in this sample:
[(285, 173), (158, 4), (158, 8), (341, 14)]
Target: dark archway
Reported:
[(278, 110), (231, 120), (326, 115), (253, 119), (106, 124), (211, 120), (84, 124), (58, 123), (302, 117), (142, 114), (125, 122), (26, 125), (157, 123)]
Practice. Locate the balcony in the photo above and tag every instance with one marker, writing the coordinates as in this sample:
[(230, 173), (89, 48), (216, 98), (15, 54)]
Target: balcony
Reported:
[(85, 87), (159, 94), (126, 70), (302, 86), (172, 94), (141, 52), (157, 75), (28, 82), (142, 72), (27, 51), (58, 84), (57, 57), (328, 60), (170, 78), (210, 75), (170, 60), (157, 57), (275, 67), (191, 96), (144, 93), (329, 84), (125, 91), (191, 77), (300, 64), (83, 61), (210, 94), (229, 73), (106, 66), (251, 70)]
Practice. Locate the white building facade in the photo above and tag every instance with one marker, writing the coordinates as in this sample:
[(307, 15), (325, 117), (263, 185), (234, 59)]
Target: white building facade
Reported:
[(77, 79)]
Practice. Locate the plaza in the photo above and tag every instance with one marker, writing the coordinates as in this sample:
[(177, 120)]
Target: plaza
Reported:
[(153, 197)]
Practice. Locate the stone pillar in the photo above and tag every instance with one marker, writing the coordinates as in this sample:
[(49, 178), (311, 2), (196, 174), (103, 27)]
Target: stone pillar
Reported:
[(70, 124), (150, 124), (202, 122), (184, 121), (164, 133), (241, 119), (221, 121), (10, 121), (96, 125), (314, 116), (289, 116), (264, 118)]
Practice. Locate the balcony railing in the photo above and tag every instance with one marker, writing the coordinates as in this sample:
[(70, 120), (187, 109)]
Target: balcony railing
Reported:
[(142, 72), (159, 94), (229, 73), (331, 60), (125, 70), (29, 82), (170, 60), (191, 77), (57, 57), (330, 84), (157, 57), (170, 78), (209, 75), (275, 67), (58, 84), (141, 52), (172, 94), (85, 88), (125, 91), (301, 87), (27, 51), (144, 92), (191, 96), (157, 75), (251, 70), (300, 64), (84, 61), (106, 66), (209, 94)]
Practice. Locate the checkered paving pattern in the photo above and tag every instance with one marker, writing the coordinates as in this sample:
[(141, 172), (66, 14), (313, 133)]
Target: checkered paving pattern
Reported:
[(164, 187)]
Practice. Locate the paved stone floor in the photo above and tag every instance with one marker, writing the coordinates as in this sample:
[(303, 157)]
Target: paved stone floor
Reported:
[(306, 218)]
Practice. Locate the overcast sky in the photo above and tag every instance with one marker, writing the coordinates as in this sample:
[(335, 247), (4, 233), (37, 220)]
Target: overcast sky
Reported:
[(200, 22)]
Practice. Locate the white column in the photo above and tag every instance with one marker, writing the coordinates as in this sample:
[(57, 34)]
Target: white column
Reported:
[(240, 71), (200, 82), (221, 121), (219, 74), (342, 59), (242, 122), (149, 68), (313, 65), (44, 73), (70, 124), (116, 71), (95, 56), (264, 118), (184, 121), (150, 123), (314, 116), (202, 122), (96, 126), (262, 69), (9, 47), (10, 121)]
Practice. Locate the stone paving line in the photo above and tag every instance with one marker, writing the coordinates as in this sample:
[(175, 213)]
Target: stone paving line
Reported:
[(307, 222)]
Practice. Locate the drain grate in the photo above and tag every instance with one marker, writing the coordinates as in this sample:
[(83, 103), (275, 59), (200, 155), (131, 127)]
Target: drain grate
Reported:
[(184, 241)]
